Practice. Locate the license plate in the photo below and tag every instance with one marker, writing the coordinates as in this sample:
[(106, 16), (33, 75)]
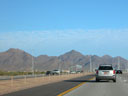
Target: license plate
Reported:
[(105, 73)]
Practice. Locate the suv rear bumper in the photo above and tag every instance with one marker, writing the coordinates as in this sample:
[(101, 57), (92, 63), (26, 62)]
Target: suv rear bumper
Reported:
[(106, 77)]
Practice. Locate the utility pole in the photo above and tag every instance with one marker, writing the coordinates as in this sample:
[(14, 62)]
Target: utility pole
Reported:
[(118, 62), (59, 66), (127, 66), (90, 63), (32, 64)]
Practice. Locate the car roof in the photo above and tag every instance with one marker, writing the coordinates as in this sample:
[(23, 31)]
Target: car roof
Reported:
[(106, 65)]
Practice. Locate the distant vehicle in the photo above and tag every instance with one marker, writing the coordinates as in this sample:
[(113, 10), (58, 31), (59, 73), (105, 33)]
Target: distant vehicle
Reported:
[(79, 71), (119, 72), (73, 72), (56, 72), (105, 72), (48, 73)]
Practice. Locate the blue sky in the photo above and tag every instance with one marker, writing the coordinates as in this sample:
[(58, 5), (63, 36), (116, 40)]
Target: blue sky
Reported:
[(54, 27)]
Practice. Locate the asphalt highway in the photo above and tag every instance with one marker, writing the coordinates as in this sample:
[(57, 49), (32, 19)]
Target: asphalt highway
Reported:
[(51, 89), (103, 88), (88, 87)]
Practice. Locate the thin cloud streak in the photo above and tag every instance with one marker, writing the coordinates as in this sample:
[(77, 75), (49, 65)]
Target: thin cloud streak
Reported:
[(62, 40)]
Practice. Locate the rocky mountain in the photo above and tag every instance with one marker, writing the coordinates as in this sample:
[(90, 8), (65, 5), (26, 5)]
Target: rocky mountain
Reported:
[(15, 60), (18, 60)]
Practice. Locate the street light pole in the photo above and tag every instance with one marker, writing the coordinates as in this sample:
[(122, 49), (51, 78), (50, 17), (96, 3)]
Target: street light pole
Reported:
[(90, 63), (32, 64), (127, 66), (118, 63)]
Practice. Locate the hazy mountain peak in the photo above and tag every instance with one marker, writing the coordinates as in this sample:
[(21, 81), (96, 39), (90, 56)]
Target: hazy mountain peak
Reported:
[(106, 56), (73, 52), (43, 56), (14, 50), (71, 56)]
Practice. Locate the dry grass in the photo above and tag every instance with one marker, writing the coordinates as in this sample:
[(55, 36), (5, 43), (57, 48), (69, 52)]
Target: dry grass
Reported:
[(8, 86)]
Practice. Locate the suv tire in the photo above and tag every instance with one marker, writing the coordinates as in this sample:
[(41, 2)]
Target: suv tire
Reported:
[(97, 80), (114, 80)]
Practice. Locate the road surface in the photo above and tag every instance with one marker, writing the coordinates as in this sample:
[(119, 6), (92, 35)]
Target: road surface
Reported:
[(88, 88), (104, 88), (50, 89)]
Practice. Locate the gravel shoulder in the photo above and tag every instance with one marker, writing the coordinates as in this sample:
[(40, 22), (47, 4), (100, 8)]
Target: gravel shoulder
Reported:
[(9, 86)]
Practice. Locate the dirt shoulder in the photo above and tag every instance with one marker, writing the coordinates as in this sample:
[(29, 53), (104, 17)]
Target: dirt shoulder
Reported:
[(8, 86)]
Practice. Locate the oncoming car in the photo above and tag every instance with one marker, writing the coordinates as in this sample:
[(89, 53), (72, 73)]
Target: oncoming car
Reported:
[(105, 72)]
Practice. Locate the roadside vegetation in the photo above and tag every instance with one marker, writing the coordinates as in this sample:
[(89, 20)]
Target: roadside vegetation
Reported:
[(5, 73)]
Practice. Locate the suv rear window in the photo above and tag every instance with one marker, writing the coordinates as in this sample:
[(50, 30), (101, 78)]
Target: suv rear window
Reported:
[(105, 68)]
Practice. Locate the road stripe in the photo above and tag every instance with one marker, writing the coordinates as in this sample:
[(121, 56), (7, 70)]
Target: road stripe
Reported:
[(63, 93)]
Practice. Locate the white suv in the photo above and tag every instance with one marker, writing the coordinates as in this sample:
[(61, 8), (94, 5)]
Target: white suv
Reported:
[(105, 72), (57, 72)]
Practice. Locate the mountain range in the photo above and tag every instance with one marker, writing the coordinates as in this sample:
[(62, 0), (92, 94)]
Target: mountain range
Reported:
[(19, 60)]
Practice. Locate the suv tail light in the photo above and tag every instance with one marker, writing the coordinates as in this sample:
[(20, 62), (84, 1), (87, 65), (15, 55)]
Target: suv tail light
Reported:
[(114, 72), (96, 71)]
